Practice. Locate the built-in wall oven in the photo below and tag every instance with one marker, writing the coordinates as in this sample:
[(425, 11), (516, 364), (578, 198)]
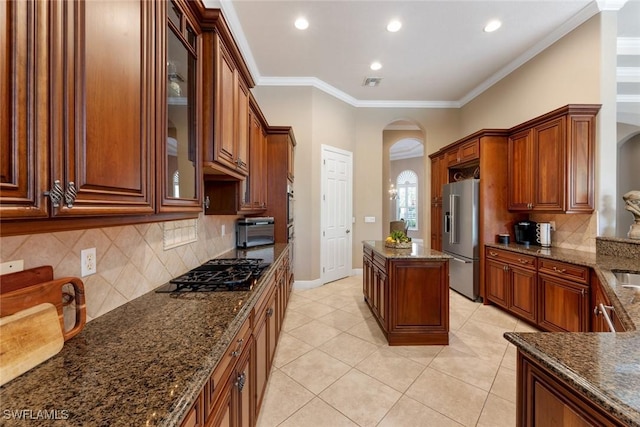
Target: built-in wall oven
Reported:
[(289, 204)]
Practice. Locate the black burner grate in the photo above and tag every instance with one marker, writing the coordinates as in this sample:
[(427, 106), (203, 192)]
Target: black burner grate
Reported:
[(220, 274)]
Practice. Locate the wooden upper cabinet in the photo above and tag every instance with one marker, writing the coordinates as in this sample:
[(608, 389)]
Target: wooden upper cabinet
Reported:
[(102, 127), (255, 195), (520, 170), (226, 111), (179, 178), (463, 153), (24, 138), (551, 161)]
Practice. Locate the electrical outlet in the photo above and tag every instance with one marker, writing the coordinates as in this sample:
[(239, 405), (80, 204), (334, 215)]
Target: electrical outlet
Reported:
[(552, 225), (369, 219), (11, 266), (222, 230), (88, 262)]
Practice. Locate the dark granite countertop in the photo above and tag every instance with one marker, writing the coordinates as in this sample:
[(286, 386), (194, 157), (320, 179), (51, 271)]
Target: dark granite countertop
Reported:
[(605, 367), (417, 251), (143, 363)]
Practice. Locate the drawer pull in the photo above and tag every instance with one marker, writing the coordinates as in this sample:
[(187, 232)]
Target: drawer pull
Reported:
[(493, 253), (240, 381), (559, 270), (236, 352), (523, 261), (270, 312)]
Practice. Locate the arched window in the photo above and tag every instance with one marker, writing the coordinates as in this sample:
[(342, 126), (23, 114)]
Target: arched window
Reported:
[(407, 206), (176, 184)]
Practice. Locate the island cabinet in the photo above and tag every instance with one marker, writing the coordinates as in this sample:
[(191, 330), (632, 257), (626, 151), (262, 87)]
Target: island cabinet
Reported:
[(551, 161), (544, 400), (408, 293), (512, 282)]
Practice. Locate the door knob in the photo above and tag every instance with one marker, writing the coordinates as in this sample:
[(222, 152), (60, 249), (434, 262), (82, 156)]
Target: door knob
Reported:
[(348, 231)]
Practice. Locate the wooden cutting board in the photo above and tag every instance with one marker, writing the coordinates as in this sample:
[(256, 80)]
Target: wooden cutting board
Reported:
[(28, 338)]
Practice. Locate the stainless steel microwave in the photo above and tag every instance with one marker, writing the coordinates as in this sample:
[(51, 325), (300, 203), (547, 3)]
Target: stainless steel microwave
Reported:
[(254, 232)]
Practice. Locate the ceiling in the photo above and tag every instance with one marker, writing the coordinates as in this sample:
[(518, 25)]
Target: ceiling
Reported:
[(441, 57)]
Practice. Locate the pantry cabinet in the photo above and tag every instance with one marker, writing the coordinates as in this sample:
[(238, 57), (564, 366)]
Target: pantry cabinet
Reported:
[(551, 161)]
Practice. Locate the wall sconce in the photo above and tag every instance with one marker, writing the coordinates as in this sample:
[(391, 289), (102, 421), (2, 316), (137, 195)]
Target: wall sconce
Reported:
[(393, 193)]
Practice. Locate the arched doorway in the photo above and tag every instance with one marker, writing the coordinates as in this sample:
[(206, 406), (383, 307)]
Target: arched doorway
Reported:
[(403, 154)]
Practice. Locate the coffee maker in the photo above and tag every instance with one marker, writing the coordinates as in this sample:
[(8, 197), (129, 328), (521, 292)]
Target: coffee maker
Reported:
[(525, 232)]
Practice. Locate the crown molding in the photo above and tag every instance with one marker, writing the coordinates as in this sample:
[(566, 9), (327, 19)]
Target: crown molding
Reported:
[(586, 13)]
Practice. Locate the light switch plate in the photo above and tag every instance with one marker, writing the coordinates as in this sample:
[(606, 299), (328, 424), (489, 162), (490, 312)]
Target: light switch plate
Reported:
[(12, 266), (369, 219)]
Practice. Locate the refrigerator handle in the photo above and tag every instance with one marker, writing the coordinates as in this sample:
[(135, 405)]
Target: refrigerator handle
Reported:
[(447, 222), (453, 236)]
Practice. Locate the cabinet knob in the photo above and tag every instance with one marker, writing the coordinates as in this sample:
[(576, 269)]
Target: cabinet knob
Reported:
[(270, 311), (55, 194)]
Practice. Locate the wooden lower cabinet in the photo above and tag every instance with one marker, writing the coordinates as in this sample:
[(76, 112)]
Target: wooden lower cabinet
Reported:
[(233, 395), (544, 400), (600, 304), (408, 297), (511, 282), (551, 294), (564, 305)]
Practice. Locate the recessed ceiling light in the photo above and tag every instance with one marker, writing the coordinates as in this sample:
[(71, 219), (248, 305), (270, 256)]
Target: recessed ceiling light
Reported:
[(375, 66), (301, 23), (492, 26), (394, 26)]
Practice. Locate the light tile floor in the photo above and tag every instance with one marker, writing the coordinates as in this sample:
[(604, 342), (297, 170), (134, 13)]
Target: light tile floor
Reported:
[(333, 367)]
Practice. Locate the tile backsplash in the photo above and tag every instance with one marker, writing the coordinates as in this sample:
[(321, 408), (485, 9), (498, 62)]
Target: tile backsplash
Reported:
[(573, 231), (131, 259)]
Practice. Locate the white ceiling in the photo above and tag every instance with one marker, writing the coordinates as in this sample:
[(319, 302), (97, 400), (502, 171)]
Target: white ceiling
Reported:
[(440, 58)]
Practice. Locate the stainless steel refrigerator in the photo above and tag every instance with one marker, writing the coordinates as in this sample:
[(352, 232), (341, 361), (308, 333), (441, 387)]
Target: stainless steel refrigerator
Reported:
[(460, 235)]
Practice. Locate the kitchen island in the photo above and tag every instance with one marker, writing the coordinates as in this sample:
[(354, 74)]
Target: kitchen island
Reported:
[(147, 362), (407, 290)]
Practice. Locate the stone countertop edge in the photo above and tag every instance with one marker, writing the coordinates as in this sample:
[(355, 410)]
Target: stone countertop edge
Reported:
[(532, 348), (417, 251), (144, 366), (624, 301)]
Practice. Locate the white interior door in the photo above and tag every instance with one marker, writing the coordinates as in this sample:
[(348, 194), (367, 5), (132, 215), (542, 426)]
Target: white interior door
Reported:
[(337, 205)]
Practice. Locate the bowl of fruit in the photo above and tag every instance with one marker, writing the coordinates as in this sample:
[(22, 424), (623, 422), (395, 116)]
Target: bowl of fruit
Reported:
[(398, 240)]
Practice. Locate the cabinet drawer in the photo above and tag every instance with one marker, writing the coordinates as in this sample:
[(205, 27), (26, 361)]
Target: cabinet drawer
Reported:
[(516, 258), (576, 273), (225, 367), (380, 261)]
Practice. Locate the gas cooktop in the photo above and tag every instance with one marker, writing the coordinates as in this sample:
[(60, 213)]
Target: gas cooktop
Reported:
[(219, 274)]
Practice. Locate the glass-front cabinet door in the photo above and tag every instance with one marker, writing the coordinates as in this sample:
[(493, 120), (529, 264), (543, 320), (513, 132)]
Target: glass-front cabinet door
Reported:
[(180, 181)]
